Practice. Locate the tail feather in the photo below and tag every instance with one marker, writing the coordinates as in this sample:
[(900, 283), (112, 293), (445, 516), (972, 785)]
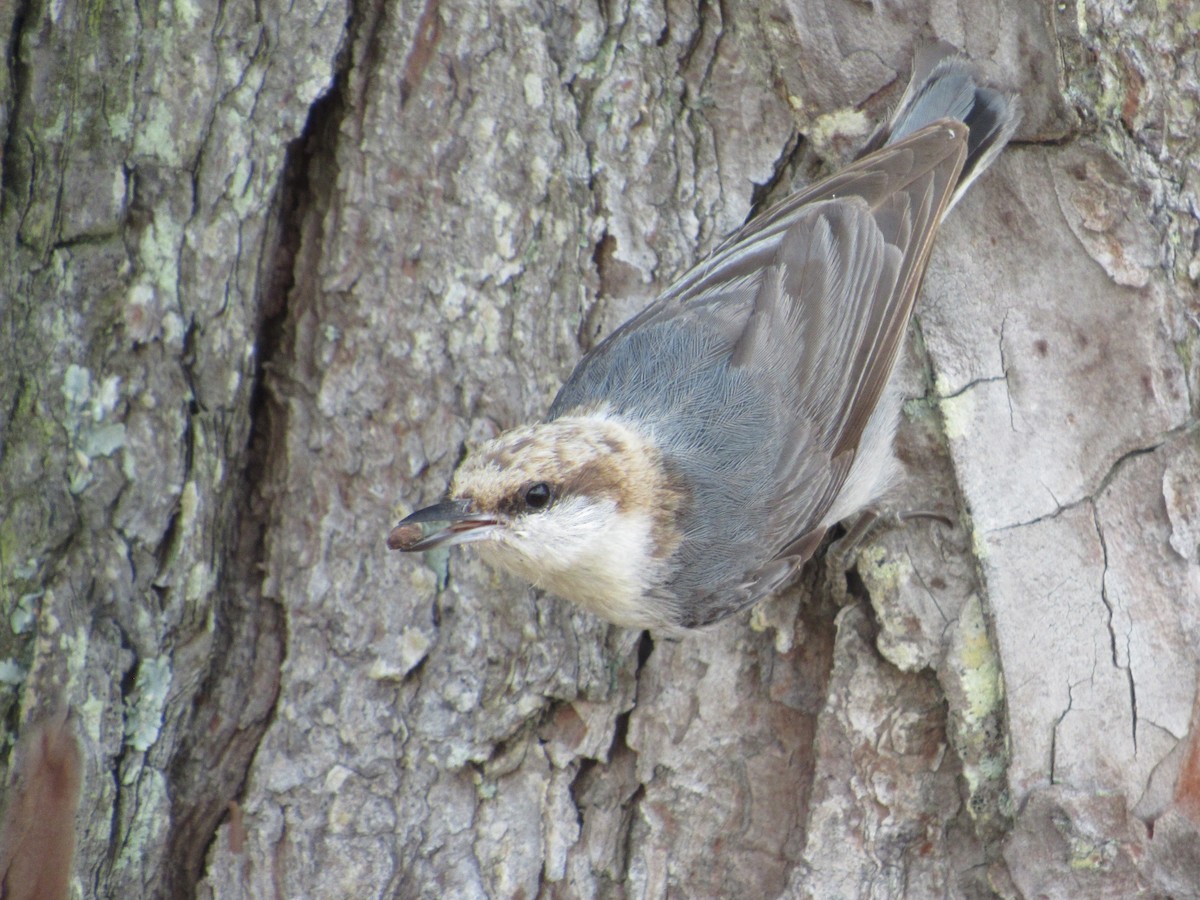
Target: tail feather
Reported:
[(945, 85)]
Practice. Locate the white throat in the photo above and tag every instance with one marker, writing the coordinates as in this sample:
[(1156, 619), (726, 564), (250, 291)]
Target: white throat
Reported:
[(587, 551)]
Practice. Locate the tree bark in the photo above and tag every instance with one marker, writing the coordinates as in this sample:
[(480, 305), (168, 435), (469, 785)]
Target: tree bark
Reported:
[(269, 271)]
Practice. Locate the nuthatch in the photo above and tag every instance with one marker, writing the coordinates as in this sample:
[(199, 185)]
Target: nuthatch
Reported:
[(698, 455)]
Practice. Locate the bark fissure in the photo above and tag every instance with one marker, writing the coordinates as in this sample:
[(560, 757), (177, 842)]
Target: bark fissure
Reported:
[(15, 100), (250, 644), (1127, 669)]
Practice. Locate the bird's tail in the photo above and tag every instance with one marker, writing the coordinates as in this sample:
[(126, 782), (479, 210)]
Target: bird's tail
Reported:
[(945, 85)]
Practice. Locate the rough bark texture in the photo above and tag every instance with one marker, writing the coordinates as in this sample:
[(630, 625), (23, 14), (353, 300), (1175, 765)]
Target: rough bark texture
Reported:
[(268, 269)]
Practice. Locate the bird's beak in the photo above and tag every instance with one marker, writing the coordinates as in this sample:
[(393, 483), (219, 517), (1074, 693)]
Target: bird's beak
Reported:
[(463, 526)]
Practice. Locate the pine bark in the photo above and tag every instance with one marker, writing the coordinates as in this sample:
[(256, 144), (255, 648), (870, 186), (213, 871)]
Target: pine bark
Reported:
[(268, 270)]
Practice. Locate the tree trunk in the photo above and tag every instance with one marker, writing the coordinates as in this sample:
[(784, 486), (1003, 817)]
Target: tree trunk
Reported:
[(268, 270)]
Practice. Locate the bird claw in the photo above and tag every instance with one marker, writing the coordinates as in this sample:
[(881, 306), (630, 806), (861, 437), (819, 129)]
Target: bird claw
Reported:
[(842, 554)]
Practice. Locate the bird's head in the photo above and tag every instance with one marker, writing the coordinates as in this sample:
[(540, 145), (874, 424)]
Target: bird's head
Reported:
[(581, 506)]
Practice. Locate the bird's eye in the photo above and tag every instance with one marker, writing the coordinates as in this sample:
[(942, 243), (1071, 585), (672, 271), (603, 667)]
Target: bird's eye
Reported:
[(538, 496)]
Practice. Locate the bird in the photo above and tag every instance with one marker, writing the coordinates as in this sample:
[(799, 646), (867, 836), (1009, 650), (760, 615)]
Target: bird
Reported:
[(696, 458)]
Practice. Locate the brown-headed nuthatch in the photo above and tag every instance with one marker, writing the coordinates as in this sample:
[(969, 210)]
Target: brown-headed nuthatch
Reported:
[(698, 455)]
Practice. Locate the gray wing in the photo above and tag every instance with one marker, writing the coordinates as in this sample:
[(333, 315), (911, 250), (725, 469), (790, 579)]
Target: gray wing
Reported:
[(831, 311), (909, 167)]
